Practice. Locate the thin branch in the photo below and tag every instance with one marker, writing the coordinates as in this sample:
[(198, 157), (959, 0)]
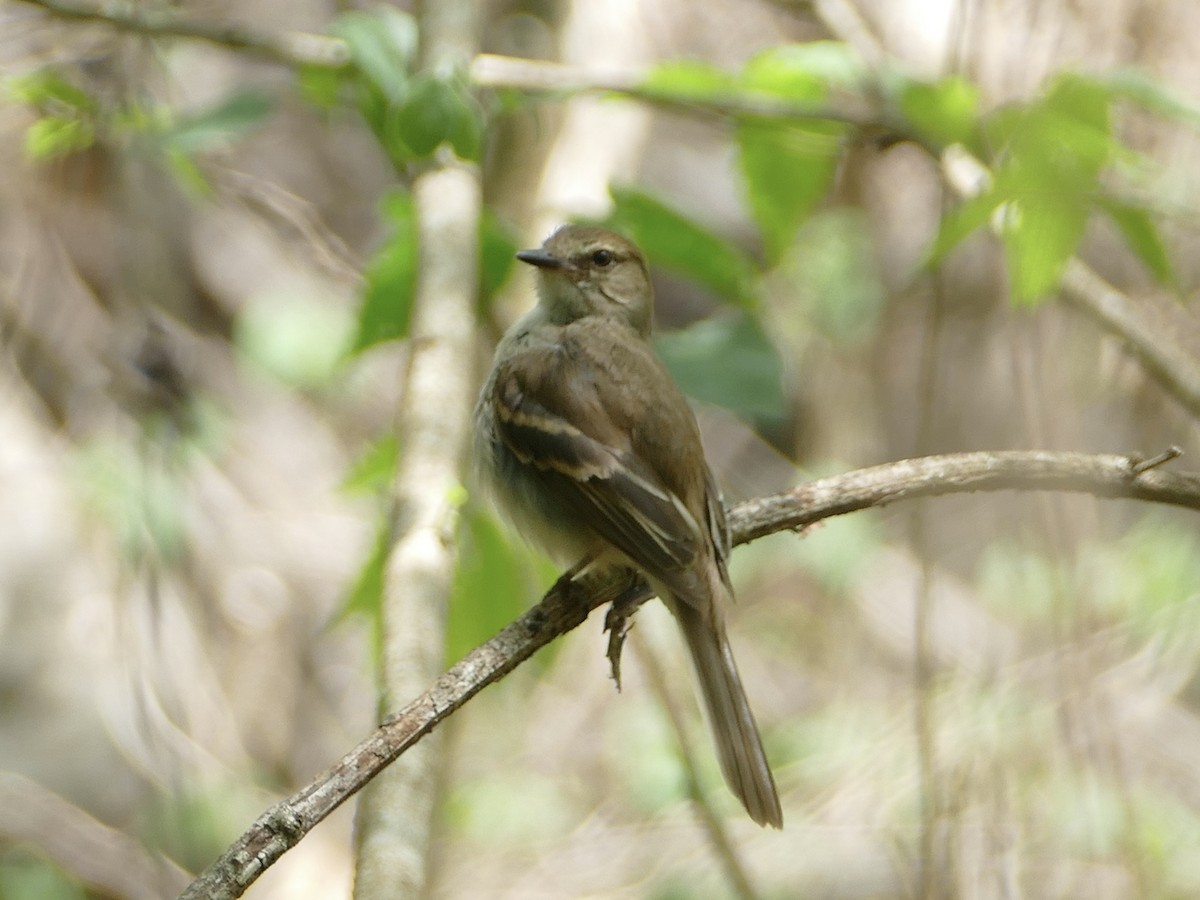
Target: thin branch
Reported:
[(100, 857), (718, 835), (292, 48), (567, 606), (535, 76), (1155, 345), (298, 49)]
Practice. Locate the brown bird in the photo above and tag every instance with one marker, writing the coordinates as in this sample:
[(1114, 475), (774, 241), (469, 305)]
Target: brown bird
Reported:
[(591, 449)]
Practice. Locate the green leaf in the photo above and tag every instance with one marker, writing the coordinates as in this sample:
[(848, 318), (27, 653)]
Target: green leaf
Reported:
[(1040, 230), (672, 240), (233, 117), (383, 44), (372, 472), (365, 597), (51, 137), (391, 277), (1142, 238), (685, 80), (802, 73), (944, 112), (46, 88), (438, 110), (497, 246), (420, 124), (787, 171), (320, 85), (788, 166), (1078, 124), (1066, 134), (727, 361), (960, 222), (492, 586), (1053, 151)]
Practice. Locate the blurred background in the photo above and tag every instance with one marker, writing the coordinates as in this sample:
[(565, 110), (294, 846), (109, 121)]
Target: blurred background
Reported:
[(198, 392)]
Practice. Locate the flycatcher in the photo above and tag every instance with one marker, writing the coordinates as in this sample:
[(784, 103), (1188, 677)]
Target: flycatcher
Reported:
[(591, 449)]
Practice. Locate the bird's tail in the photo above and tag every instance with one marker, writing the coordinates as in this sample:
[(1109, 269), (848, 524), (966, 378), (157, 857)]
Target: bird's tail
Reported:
[(739, 746)]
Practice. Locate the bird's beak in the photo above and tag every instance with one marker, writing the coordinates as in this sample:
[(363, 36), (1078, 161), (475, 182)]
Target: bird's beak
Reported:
[(541, 259)]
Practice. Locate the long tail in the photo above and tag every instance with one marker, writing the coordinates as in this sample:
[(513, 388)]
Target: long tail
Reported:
[(739, 746)]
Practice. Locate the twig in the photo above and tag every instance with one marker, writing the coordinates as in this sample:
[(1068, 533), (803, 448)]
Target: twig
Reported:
[(1145, 465), (489, 70), (293, 48), (718, 835), (102, 858), (282, 826), (1156, 347)]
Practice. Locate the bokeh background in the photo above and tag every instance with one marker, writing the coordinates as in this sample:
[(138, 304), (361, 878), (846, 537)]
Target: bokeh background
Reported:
[(193, 470)]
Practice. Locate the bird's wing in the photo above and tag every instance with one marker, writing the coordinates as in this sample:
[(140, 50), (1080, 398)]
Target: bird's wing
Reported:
[(568, 424), (718, 527)]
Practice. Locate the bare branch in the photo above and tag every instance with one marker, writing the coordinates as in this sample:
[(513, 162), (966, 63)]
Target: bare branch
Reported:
[(568, 605), (1155, 345), (112, 863), (293, 48)]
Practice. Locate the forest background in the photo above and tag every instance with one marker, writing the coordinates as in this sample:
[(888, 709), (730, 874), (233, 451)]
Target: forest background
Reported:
[(253, 260)]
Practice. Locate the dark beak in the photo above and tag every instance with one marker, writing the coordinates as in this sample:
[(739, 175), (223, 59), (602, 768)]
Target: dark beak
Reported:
[(541, 259)]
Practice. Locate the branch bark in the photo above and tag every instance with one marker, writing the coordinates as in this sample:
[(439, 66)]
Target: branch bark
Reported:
[(395, 817), (566, 606)]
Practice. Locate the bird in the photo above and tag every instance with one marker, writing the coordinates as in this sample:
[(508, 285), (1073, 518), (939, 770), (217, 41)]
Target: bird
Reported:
[(592, 451)]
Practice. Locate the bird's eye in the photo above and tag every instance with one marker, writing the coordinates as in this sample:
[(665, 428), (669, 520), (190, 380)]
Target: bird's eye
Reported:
[(602, 257)]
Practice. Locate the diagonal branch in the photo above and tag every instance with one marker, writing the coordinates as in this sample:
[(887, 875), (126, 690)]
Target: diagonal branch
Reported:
[(1154, 341), (283, 825)]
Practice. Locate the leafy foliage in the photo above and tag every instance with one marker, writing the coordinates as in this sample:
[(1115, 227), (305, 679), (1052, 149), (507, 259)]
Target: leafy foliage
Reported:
[(493, 585), (68, 114), (391, 276), (942, 112), (788, 166), (748, 380), (1141, 237), (676, 242), (727, 361), (497, 249), (411, 114), (228, 120), (1051, 155)]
